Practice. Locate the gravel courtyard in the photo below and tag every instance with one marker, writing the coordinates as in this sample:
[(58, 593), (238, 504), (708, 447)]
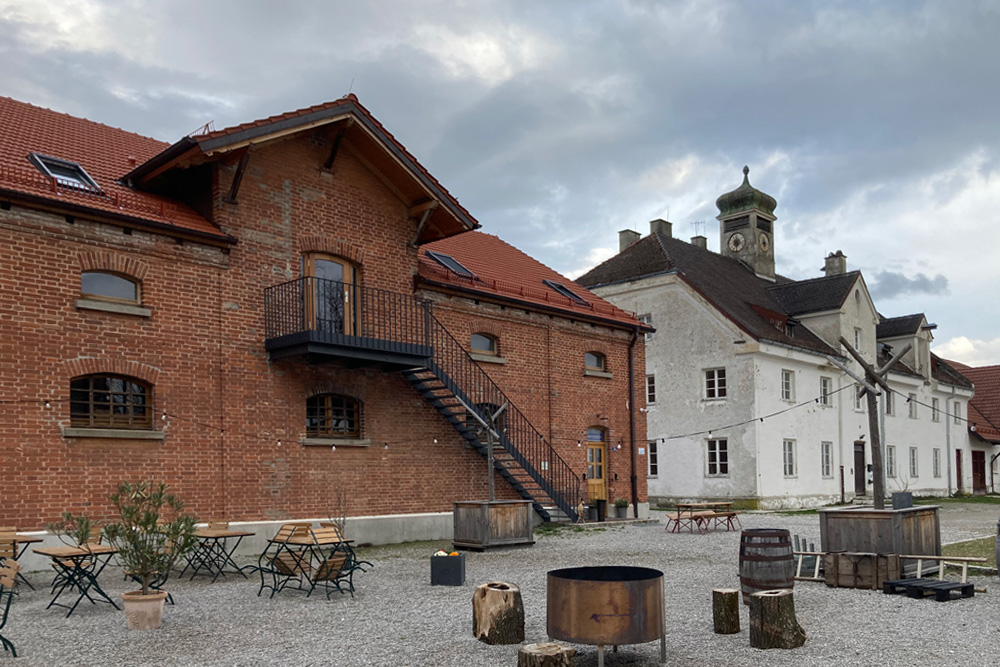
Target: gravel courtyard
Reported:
[(397, 618)]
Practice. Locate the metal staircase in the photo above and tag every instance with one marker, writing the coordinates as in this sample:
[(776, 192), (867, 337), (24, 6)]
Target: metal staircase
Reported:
[(465, 395)]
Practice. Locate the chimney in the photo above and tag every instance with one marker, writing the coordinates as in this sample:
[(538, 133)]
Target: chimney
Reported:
[(627, 237), (836, 264), (700, 242), (661, 226)]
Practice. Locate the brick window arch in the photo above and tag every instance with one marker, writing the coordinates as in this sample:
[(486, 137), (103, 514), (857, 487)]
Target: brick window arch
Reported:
[(333, 416), (109, 286), (485, 343), (105, 400)]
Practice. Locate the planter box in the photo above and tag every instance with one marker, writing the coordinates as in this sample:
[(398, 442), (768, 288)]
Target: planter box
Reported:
[(448, 570), (860, 570), (481, 524), (913, 531)]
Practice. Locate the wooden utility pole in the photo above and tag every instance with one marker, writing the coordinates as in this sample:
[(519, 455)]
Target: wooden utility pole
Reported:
[(871, 382)]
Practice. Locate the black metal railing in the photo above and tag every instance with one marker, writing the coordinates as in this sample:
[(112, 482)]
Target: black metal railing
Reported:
[(456, 368), (339, 310)]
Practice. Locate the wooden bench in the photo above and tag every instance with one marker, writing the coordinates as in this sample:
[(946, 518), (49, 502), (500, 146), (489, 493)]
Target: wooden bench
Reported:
[(728, 520), (679, 520)]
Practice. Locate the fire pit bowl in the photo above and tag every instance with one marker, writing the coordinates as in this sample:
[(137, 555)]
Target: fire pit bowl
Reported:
[(607, 605)]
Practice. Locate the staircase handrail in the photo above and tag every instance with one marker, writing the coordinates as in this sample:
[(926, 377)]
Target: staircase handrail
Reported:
[(457, 369)]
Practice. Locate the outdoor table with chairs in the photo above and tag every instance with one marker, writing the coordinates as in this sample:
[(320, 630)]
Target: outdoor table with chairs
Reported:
[(212, 555), (303, 558), (77, 569), (702, 516), (13, 546)]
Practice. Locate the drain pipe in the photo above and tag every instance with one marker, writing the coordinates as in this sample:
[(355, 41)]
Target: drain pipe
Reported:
[(631, 416)]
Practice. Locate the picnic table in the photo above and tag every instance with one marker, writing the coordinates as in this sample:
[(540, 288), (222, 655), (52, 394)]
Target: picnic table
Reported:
[(77, 570), (211, 554), (701, 515)]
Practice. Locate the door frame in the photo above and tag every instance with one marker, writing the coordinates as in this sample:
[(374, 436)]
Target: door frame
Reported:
[(351, 274), (597, 460), (860, 470), (958, 471), (979, 466)]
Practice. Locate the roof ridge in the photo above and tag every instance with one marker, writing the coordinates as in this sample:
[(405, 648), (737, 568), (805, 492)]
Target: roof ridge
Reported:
[(86, 120), (813, 280)]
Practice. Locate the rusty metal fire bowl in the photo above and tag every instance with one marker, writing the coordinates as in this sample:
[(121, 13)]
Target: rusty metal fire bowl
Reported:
[(608, 605)]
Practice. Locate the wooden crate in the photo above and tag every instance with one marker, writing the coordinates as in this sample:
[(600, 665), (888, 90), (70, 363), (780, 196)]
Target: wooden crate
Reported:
[(914, 530), (482, 524), (844, 569)]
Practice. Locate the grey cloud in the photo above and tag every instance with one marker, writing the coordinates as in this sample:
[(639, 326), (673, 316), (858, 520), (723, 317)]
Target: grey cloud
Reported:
[(890, 285)]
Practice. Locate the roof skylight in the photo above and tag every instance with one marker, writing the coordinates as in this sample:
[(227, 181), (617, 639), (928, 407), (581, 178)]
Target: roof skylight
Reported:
[(450, 263), (565, 291), (64, 172)]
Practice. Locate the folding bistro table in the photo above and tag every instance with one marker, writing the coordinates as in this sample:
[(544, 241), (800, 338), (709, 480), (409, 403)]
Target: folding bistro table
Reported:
[(21, 542), (78, 569), (211, 555)]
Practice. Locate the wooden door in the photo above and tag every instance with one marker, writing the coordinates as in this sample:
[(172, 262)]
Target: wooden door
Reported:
[(978, 472), (958, 470), (331, 296), (859, 469), (597, 464)]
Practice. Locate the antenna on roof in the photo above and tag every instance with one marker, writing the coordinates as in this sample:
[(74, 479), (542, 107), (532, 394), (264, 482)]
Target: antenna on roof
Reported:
[(204, 129), (351, 87), (699, 227)]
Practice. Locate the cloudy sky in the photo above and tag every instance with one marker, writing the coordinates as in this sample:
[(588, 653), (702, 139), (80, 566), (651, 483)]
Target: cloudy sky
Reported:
[(875, 125)]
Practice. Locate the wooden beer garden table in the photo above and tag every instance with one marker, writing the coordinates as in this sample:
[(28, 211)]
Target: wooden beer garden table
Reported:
[(700, 516), (77, 570), (211, 555)]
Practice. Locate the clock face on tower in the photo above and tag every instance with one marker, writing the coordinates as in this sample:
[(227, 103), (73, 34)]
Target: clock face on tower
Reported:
[(736, 242), (764, 242)]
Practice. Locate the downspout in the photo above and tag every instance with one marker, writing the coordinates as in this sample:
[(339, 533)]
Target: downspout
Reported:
[(631, 417), (948, 417)]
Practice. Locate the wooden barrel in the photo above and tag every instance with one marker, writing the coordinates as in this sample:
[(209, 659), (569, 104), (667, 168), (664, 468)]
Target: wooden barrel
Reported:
[(766, 561)]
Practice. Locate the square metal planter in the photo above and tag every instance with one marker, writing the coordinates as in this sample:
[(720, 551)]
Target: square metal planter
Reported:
[(448, 570)]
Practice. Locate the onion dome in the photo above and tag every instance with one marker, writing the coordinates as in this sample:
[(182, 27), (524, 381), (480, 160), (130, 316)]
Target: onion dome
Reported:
[(746, 198)]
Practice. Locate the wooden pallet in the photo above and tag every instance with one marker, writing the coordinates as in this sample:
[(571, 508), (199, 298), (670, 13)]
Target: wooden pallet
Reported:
[(920, 588)]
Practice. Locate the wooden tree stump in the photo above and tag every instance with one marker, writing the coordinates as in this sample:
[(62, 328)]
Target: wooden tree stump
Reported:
[(726, 610), (772, 620), (548, 654), (498, 614)]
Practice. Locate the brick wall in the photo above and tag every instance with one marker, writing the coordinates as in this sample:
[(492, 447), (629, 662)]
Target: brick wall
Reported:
[(228, 406)]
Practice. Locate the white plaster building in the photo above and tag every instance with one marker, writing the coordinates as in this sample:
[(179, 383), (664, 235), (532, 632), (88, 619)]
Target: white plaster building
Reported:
[(742, 401)]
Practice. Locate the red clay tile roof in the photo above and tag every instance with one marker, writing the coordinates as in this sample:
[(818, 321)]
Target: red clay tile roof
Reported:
[(104, 153), (503, 271), (984, 408), (348, 104)]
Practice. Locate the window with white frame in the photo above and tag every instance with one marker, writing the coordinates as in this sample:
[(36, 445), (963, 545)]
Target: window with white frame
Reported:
[(652, 459), (787, 385), (936, 462), (935, 410), (911, 401), (826, 458), (956, 412), (914, 458), (788, 457), (825, 391), (857, 339), (715, 383), (717, 458), (647, 319), (890, 408), (858, 400), (890, 460), (650, 389)]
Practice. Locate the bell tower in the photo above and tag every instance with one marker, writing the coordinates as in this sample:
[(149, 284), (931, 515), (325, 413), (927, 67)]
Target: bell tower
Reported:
[(746, 225)]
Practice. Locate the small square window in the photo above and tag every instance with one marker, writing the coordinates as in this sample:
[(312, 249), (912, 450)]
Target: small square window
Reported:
[(565, 291), (450, 263), (64, 172), (484, 344), (594, 361)]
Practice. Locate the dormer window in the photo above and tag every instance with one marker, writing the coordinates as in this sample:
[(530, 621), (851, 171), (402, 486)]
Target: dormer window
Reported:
[(565, 291), (64, 172), (450, 263)]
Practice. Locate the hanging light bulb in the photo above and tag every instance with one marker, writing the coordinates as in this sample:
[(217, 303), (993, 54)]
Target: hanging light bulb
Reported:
[(47, 404), (435, 441), (578, 444), (333, 448), (279, 442), (387, 445), (164, 416)]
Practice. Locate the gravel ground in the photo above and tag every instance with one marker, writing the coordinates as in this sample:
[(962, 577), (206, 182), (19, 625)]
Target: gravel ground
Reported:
[(397, 618)]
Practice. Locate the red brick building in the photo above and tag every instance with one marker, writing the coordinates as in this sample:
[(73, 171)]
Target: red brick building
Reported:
[(262, 315)]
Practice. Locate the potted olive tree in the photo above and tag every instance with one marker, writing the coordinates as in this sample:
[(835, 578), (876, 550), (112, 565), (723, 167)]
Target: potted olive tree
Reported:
[(150, 536)]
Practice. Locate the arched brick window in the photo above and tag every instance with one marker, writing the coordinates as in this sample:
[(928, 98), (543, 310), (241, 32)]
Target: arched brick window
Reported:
[(333, 416), (594, 361), (484, 343), (110, 401), (108, 286)]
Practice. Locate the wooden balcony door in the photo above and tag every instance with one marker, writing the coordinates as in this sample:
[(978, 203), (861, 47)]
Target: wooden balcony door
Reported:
[(597, 458), (331, 301)]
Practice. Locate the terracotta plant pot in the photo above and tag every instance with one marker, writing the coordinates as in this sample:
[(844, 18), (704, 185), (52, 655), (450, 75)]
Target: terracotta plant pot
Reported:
[(144, 612)]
